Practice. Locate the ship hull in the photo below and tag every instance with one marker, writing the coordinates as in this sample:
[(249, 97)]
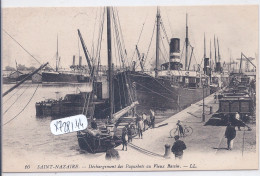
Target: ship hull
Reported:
[(157, 93), (48, 77)]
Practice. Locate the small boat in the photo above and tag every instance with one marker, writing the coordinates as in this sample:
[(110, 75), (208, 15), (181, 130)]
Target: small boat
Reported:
[(71, 104)]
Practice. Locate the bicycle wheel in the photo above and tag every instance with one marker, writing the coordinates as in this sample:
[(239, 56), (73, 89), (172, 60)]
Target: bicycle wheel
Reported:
[(188, 131), (174, 132)]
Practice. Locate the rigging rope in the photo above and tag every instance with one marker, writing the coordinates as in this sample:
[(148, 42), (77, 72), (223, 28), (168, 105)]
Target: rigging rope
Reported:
[(139, 37), (120, 29), (155, 92), (165, 32), (150, 43), (123, 87), (100, 39), (19, 88), (16, 99), (120, 101), (169, 22), (119, 35), (21, 46), (167, 53), (182, 51), (119, 43), (92, 47), (162, 54), (24, 107)]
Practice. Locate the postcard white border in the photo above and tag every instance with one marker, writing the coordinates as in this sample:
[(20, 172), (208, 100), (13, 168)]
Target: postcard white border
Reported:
[(76, 3)]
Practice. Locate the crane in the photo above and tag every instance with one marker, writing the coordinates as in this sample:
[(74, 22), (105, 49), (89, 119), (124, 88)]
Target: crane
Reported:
[(248, 60), (85, 51)]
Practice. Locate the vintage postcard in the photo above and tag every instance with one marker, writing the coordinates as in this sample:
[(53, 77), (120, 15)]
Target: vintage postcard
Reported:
[(148, 88)]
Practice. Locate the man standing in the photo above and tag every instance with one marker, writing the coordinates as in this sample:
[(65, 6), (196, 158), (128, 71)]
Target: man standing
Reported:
[(152, 118), (129, 133), (178, 147), (230, 134), (140, 126), (124, 138), (145, 121)]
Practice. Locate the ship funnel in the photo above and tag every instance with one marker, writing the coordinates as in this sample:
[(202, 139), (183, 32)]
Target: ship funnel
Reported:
[(73, 61), (206, 68), (218, 67), (80, 60), (175, 50)]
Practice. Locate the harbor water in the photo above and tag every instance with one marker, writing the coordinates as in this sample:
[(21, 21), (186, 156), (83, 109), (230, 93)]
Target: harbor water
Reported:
[(24, 133)]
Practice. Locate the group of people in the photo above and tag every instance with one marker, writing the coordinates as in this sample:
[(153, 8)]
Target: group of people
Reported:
[(179, 146), (141, 124)]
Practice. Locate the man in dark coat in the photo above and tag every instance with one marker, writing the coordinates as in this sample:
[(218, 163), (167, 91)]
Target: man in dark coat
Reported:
[(178, 147), (230, 134), (124, 138), (129, 133)]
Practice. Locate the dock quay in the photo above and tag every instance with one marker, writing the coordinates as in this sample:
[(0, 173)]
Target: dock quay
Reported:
[(209, 140)]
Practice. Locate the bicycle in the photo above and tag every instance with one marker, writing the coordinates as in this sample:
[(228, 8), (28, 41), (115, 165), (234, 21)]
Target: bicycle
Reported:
[(187, 131)]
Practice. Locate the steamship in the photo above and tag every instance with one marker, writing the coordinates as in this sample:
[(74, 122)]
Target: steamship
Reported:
[(171, 86), (77, 74)]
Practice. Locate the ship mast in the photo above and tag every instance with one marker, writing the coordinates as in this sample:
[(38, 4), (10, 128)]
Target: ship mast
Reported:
[(187, 43), (204, 46), (210, 62), (109, 54), (210, 54), (215, 52), (57, 54), (218, 52), (157, 41)]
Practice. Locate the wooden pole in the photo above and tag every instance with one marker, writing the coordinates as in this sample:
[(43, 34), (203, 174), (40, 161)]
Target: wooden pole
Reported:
[(22, 81)]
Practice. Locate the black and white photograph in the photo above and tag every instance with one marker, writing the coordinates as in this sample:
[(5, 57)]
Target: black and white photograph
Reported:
[(129, 88)]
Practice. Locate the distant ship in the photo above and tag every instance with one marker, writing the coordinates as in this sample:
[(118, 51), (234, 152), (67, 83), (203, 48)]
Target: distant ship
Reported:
[(77, 74), (219, 77)]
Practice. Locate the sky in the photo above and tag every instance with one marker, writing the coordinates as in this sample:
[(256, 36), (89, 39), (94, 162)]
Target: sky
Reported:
[(36, 29)]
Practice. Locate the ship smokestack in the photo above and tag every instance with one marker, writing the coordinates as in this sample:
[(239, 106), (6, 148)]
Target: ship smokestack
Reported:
[(206, 68), (218, 67), (80, 60), (73, 61), (175, 50)]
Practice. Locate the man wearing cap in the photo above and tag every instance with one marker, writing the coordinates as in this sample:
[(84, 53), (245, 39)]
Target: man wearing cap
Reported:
[(178, 147)]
